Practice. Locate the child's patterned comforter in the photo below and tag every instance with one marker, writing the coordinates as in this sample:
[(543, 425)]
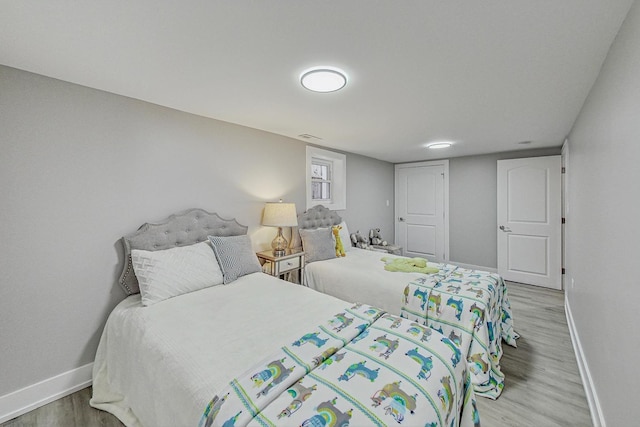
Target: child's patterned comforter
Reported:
[(472, 310), (361, 367)]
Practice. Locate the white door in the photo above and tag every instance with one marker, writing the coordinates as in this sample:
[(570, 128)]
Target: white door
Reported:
[(529, 221), (421, 209)]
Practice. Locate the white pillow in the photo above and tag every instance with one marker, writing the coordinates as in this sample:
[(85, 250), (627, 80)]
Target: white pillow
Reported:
[(345, 237), (171, 272)]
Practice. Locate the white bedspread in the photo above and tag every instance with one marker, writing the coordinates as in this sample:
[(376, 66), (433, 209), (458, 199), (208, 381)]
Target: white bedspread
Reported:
[(157, 366), (359, 274)]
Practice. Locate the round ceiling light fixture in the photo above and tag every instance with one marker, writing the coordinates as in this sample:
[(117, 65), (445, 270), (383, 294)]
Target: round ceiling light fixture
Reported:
[(323, 79), (440, 144)]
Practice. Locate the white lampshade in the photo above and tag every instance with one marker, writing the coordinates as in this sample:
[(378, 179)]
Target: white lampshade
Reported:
[(280, 215)]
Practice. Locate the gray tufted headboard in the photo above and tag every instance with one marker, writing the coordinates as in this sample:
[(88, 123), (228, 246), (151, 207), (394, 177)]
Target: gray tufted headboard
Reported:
[(316, 217), (181, 229)]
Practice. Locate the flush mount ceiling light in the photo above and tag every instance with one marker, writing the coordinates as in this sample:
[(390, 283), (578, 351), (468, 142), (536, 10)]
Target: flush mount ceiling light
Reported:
[(323, 79), (441, 144)]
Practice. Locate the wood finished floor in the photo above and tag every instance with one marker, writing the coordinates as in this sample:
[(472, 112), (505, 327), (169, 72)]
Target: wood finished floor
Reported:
[(542, 381), (542, 386)]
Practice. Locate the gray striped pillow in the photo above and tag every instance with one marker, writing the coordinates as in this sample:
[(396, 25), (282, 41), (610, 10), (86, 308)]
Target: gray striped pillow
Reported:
[(235, 256)]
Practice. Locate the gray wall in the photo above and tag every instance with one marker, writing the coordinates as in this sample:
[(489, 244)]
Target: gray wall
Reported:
[(473, 199), (603, 230), (369, 186), (80, 167)]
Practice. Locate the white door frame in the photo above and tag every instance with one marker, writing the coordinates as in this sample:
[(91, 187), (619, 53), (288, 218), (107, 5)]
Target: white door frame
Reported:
[(445, 164), (565, 207)]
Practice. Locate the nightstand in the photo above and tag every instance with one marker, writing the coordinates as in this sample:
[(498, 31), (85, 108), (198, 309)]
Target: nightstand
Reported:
[(284, 265)]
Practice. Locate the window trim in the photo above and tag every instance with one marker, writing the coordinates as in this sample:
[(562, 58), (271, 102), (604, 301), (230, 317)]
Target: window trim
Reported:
[(338, 179)]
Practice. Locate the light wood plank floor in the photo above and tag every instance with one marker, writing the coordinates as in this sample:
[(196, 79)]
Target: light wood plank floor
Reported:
[(542, 381), (542, 386), (70, 411)]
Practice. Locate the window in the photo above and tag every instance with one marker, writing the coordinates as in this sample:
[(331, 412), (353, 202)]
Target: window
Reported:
[(326, 179), (321, 180)]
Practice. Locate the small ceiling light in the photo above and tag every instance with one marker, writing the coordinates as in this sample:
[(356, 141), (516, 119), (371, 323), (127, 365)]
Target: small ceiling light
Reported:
[(436, 145), (323, 79)]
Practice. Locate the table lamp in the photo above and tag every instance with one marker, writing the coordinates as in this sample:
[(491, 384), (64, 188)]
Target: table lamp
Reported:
[(279, 215)]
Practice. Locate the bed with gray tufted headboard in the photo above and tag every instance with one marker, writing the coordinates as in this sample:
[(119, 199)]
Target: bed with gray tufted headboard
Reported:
[(160, 364), (361, 276)]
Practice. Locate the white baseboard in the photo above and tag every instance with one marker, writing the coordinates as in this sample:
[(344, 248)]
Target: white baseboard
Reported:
[(592, 397), (31, 397), (474, 267)]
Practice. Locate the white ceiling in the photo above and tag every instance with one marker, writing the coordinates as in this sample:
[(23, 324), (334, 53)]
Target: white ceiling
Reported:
[(485, 74)]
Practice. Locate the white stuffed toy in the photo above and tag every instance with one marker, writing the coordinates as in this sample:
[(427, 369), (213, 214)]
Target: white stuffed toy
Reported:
[(359, 241), (375, 238)]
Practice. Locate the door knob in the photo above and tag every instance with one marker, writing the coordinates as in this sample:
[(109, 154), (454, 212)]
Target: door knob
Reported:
[(401, 219), (505, 229)]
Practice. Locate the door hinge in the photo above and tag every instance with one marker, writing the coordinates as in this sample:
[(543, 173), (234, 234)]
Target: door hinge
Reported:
[(564, 170), (562, 270), (564, 220)]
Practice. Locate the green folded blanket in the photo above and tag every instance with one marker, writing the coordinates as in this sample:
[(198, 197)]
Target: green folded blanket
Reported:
[(408, 265)]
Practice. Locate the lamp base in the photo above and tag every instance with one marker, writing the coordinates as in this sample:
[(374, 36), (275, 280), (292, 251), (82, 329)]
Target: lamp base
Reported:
[(279, 244)]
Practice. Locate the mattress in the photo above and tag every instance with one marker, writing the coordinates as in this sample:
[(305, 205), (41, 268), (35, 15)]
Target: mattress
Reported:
[(359, 275)]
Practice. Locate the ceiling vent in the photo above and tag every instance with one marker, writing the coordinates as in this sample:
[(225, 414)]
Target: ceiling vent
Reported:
[(309, 136)]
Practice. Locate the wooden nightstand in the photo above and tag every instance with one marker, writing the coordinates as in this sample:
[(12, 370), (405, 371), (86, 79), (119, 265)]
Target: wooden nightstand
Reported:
[(279, 266)]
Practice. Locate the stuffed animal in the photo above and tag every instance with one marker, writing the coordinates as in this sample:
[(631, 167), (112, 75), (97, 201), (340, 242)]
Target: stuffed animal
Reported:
[(359, 241), (339, 248), (408, 265), (375, 238)]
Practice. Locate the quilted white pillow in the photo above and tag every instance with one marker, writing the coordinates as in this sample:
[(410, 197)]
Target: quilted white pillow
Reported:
[(171, 272)]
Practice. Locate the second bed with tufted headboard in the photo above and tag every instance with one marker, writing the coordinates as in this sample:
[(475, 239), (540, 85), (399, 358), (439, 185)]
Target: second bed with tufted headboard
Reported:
[(450, 300)]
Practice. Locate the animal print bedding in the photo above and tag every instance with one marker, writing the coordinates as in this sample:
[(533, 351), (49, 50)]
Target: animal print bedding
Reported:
[(361, 367), (472, 310)]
